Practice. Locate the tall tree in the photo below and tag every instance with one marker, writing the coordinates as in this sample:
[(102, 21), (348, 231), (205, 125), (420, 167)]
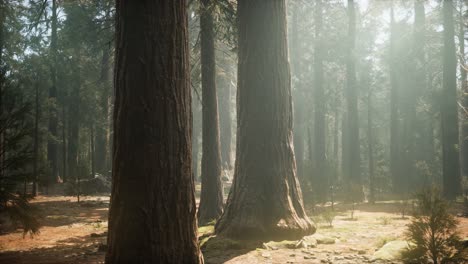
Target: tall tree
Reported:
[(320, 125), (448, 108), (353, 147), (52, 146), (464, 94), (225, 119), (394, 113), (265, 199), (211, 198), (152, 213)]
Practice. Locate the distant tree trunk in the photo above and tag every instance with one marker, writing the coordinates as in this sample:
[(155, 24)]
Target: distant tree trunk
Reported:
[(64, 140), (2, 80), (225, 120), (74, 122), (196, 133), (53, 116), (420, 142), (298, 94), (152, 212), (395, 152), (102, 143), (370, 146), (320, 162), (37, 116), (449, 113), (353, 171), (211, 198), (265, 199), (464, 98), (92, 151)]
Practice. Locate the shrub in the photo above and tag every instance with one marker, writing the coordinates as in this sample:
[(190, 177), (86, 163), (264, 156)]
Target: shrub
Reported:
[(432, 230)]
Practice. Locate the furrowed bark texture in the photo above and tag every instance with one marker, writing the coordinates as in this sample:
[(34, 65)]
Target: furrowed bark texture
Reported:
[(152, 212), (211, 198), (265, 201)]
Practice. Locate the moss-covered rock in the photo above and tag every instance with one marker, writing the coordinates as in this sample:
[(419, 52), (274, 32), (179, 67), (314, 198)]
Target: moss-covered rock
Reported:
[(392, 250)]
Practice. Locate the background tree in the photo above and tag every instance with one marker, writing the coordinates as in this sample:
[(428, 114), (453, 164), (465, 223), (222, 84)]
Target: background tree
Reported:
[(211, 198), (449, 112)]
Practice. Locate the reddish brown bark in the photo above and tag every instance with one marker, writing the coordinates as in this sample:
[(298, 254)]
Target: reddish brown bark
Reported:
[(152, 212), (265, 201)]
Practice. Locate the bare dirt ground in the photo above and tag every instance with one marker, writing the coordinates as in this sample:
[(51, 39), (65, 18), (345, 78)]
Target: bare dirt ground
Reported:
[(76, 233)]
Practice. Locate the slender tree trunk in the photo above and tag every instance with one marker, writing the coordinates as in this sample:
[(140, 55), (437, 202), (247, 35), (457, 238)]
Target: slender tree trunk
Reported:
[(53, 116), (64, 140), (74, 124), (320, 162), (92, 151), (102, 143), (353, 171), (2, 80), (298, 94), (225, 120), (370, 147), (449, 111), (196, 134), (265, 199), (211, 198), (152, 213), (464, 96), (395, 152), (36, 141)]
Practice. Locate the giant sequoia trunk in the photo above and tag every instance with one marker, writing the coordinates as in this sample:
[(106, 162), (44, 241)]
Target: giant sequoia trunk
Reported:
[(52, 146), (265, 199), (211, 198), (449, 111), (152, 212)]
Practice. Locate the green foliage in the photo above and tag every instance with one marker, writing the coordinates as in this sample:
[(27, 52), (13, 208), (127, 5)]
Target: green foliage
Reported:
[(432, 230), (328, 216), (15, 157)]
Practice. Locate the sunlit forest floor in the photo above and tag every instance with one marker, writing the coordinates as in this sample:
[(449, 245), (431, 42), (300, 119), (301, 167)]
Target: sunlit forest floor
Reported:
[(76, 233)]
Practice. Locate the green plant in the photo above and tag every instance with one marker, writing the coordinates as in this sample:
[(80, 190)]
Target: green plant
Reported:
[(385, 220), (328, 216), (432, 230)]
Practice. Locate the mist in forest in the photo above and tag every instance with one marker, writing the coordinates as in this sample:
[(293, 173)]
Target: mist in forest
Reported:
[(224, 131)]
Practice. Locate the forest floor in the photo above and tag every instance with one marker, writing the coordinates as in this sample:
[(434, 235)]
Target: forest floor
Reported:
[(76, 233)]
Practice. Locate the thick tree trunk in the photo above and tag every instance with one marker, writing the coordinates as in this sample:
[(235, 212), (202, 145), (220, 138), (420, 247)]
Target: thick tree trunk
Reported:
[(152, 213), (211, 198), (370, 146), (52, 145), (265, 201), (449, 111), (320, 162), (353, 146)]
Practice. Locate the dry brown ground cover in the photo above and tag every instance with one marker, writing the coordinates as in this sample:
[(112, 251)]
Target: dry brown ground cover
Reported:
[(76, 233)]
